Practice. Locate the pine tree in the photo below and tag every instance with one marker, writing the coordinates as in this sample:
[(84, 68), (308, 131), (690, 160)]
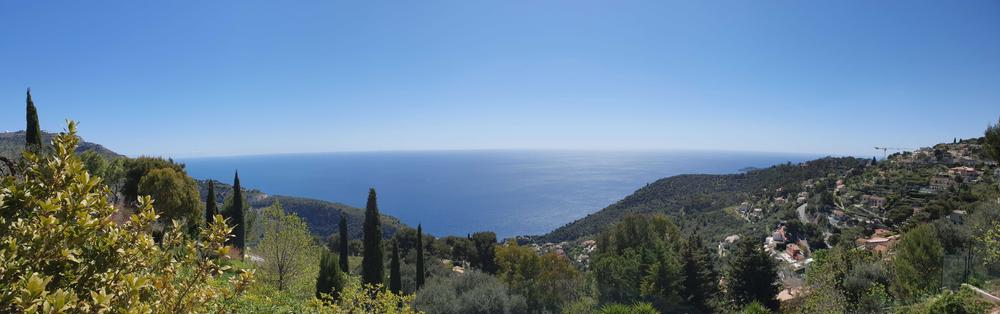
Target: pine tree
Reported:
[(344, 245), (917, 262), (330, 280), (395, 282), (700, 278), (874, 161), (372, 267), (753, 275), (211, 208), (420, 257), (485, 243), (236, 216), (32, 133)]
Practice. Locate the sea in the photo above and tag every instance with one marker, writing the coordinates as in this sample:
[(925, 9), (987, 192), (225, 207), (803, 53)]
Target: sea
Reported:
[(510, 192)]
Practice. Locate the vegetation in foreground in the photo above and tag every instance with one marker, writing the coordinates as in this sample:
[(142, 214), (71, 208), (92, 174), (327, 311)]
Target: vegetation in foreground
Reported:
[(79, 233)]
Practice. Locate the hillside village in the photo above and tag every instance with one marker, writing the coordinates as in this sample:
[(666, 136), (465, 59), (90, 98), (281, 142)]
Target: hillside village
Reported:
[(868, 206)]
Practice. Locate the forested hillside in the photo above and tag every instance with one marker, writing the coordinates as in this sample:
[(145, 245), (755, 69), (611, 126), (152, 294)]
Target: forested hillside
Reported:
[(700, 200)]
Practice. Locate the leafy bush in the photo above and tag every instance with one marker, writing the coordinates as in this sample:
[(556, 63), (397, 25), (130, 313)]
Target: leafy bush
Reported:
[(61, 251), (290, 258), (547, 281)]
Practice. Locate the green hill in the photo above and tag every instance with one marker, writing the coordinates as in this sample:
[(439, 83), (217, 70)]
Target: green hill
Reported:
[(12, 143), (702, 200), (323, 217)]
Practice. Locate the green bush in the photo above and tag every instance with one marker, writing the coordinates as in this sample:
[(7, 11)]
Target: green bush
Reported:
[(61, 252)]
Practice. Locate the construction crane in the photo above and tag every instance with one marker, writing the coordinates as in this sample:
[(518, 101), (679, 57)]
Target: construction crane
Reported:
[(885, 150)]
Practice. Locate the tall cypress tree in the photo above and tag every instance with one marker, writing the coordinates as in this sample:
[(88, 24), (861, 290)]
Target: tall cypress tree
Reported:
[(395, 282), (32, 133), (211, 208), (344, 247), (330, 280), (372, 267), (420, 257), (236, 213)]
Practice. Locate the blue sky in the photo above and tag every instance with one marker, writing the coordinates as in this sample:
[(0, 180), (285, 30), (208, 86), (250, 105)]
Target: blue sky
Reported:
[(208, 78)]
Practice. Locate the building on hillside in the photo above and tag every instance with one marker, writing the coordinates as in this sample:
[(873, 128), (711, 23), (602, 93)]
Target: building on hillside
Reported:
[(968, 174), (880, 243), (803, 197), (777, 237), (968, 161), (873, 201), (942, 182), (957, 216), (728, 241), (794, 252)]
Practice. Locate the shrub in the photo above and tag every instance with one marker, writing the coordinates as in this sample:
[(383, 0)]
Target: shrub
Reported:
[(61, 251)]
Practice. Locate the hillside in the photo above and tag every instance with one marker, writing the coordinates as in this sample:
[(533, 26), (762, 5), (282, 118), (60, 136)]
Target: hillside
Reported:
[(11, 144), (702, 200), (323, 217)]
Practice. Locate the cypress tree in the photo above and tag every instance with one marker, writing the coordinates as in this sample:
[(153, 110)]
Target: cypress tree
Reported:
[(32, 133), (372, 267), (344, 247), (420, 257), (330, 280), (395, 282), (210, 207), (236, 213)]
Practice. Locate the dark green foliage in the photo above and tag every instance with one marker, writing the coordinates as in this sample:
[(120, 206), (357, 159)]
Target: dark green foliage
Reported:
[(372, 270), (236, 213), (343, 245), (137, 168), (330, 280), (991, 141), (918, 262), (700, 277), (33, 133), (752, 275), (420, 257), (638, 260), (175, 194), (211, 207), (485, 259), (472, 292), (395, 282)]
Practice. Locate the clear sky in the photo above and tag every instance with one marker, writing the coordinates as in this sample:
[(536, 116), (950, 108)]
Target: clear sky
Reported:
[(207, 78)]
